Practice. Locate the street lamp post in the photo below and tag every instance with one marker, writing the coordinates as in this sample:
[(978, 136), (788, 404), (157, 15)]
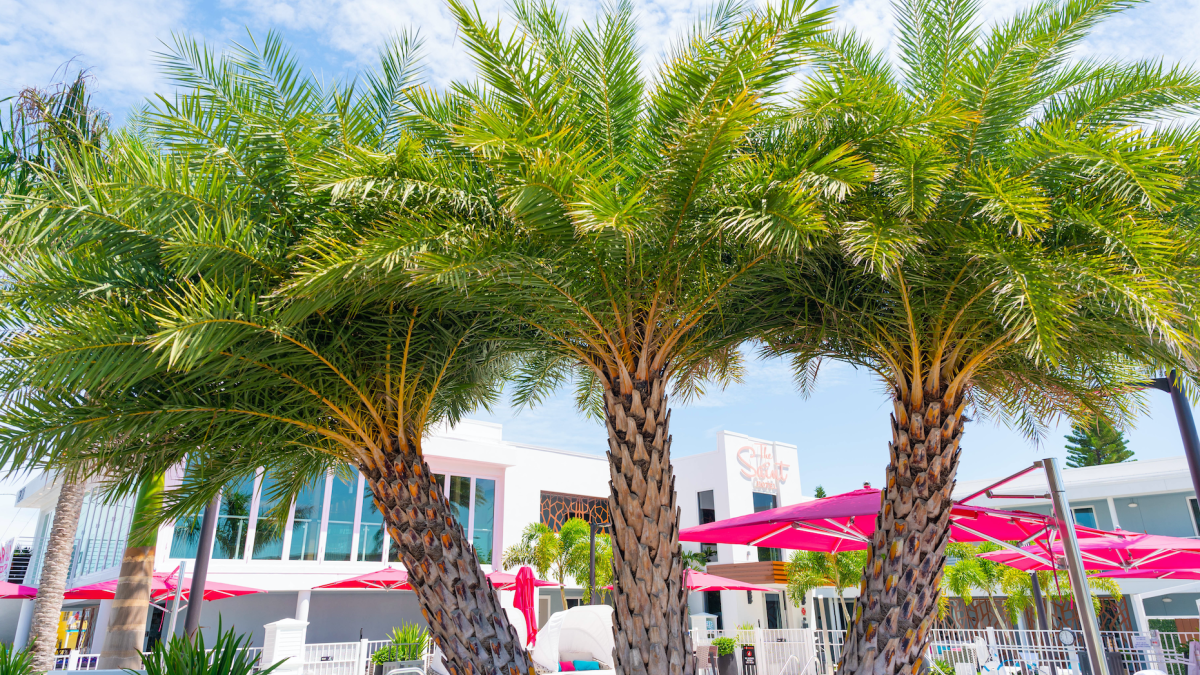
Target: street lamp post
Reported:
[(592, 527), (1187, 424)]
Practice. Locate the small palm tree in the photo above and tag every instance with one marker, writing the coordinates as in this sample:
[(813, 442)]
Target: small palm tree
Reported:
[(1024, 248), (556, 554), (808, 570), (968, 572)]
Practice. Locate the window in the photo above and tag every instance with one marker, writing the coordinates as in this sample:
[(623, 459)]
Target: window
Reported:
[(186, 540), (709, 551), (370, 529), (306, 523), (339, 534), (484, 520), (473, 503), (774, 612), (764, 501), (712, 605), (1194, 509), (708, 509), (268, 531), (1085, 516), (233, 520)]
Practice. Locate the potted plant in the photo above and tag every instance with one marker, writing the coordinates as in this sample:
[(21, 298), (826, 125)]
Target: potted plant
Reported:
[(407, 650), (726, 655)]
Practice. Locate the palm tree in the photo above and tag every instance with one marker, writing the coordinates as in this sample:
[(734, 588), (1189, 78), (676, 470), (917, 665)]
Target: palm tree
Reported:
[(1024, 248), (125, 637), (208, 233), (635, 216), (808, 570), (46, 128), (554, 554)]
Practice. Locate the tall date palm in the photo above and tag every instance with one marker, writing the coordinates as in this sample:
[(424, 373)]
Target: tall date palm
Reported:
[(1026, 247)]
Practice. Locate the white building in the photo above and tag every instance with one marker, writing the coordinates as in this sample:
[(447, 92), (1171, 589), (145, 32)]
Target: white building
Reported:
[(333, 532)]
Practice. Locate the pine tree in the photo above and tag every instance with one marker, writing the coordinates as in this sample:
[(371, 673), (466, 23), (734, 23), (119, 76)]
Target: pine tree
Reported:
[(819, 493), (1094, 443)]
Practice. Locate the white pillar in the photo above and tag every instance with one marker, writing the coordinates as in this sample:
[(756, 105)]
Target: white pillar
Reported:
[(361, 661), (1112, 511), (23, 623), (283, 641), (100, 630), (1139, 613), (302, 600)]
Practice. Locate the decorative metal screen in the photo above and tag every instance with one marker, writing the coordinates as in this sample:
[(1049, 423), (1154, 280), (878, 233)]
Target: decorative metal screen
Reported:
[(558, 508)]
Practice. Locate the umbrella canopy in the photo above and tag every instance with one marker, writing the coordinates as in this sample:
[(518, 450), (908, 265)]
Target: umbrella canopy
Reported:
[(523, 603), (386, 579), (505, 581), (1147, 574), (846, 522), (9, 590), (1121, 551), (162, 587), (699, 581)]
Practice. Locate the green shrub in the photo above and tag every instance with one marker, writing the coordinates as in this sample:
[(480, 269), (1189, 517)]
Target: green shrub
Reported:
[(725, 645), (15, 661), (408, 644), (182, 656)]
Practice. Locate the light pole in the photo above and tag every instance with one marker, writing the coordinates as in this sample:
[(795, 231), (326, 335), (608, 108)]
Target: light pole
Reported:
[(1187, 424), (592, 527)]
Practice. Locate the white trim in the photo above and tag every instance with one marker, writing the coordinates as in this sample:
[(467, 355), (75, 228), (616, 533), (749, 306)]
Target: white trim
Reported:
[(252, 519), (1112, 512), (1187, 504), (286, 554)]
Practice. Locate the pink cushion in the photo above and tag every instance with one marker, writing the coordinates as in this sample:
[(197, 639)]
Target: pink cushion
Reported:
[(566, 666)]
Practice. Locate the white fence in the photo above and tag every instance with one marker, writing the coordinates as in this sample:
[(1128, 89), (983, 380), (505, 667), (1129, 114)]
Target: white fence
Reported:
[(807, 651)]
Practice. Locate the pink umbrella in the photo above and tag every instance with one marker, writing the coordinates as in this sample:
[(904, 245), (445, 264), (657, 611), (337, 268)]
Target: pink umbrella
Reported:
[(524, 603), (386, 579), (1148, 574), (9, 590), (506, 581), (846, 522), (162, 587), (1121, 551), (700, 581)]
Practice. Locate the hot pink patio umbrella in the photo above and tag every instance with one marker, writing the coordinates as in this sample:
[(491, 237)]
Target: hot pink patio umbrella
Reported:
[(9, 590), (846, 522), (386, 579), (505, 581), (523, 602), (1148, 574), (1121, 551), (162, 587)]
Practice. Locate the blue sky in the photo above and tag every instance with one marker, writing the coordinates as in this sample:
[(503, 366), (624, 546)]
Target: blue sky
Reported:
[(841, 431)]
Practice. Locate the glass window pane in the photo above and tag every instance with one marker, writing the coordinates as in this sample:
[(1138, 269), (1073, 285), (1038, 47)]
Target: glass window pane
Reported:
[(186, 540), (1085, 516), (485, 511), (370, 531), (763, 502), (341, 517), (233, 520), (306, 524), (268, 532), (440, 480), (460, 500)]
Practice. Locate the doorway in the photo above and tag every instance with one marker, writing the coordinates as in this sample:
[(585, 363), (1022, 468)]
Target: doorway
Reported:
[(774, 611)]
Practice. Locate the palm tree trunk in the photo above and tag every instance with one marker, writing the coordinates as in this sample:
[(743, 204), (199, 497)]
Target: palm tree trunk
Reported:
[(43, 629), (996, 611), (562, 594), (900, 584), (650, 621), (845, 608), (126, 634), (464, 615)]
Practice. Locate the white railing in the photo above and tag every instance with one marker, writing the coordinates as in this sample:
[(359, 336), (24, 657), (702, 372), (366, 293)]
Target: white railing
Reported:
[(808, 651), (336, 658)]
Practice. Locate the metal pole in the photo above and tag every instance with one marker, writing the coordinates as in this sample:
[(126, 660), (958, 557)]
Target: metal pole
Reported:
[(1187, 430), (1038, 603), (1078, 576), (208, 528), (175, 604)]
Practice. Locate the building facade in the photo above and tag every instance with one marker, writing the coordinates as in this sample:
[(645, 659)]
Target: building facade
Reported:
[(333, 531)]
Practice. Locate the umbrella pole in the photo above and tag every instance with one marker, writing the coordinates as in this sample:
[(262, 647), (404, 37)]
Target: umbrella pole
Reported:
[(208, 528), (178, 593), (1079, 583)]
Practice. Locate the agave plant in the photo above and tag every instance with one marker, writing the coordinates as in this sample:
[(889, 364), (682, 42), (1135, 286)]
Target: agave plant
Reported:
[(15, 661), (182, 655)]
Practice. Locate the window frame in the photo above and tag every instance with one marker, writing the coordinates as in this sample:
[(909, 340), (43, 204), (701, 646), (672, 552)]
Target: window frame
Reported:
[(1193, 509), (469, 530), (1075, 510)]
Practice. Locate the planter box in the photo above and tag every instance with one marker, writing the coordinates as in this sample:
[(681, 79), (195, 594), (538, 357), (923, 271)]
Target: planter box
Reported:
[(727, 665), (385, 668)]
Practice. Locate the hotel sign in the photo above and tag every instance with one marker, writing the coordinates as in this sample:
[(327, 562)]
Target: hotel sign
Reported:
[(760, 467)]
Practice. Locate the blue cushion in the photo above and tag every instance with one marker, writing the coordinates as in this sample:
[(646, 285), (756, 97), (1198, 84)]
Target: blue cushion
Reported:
[(587, 665)]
